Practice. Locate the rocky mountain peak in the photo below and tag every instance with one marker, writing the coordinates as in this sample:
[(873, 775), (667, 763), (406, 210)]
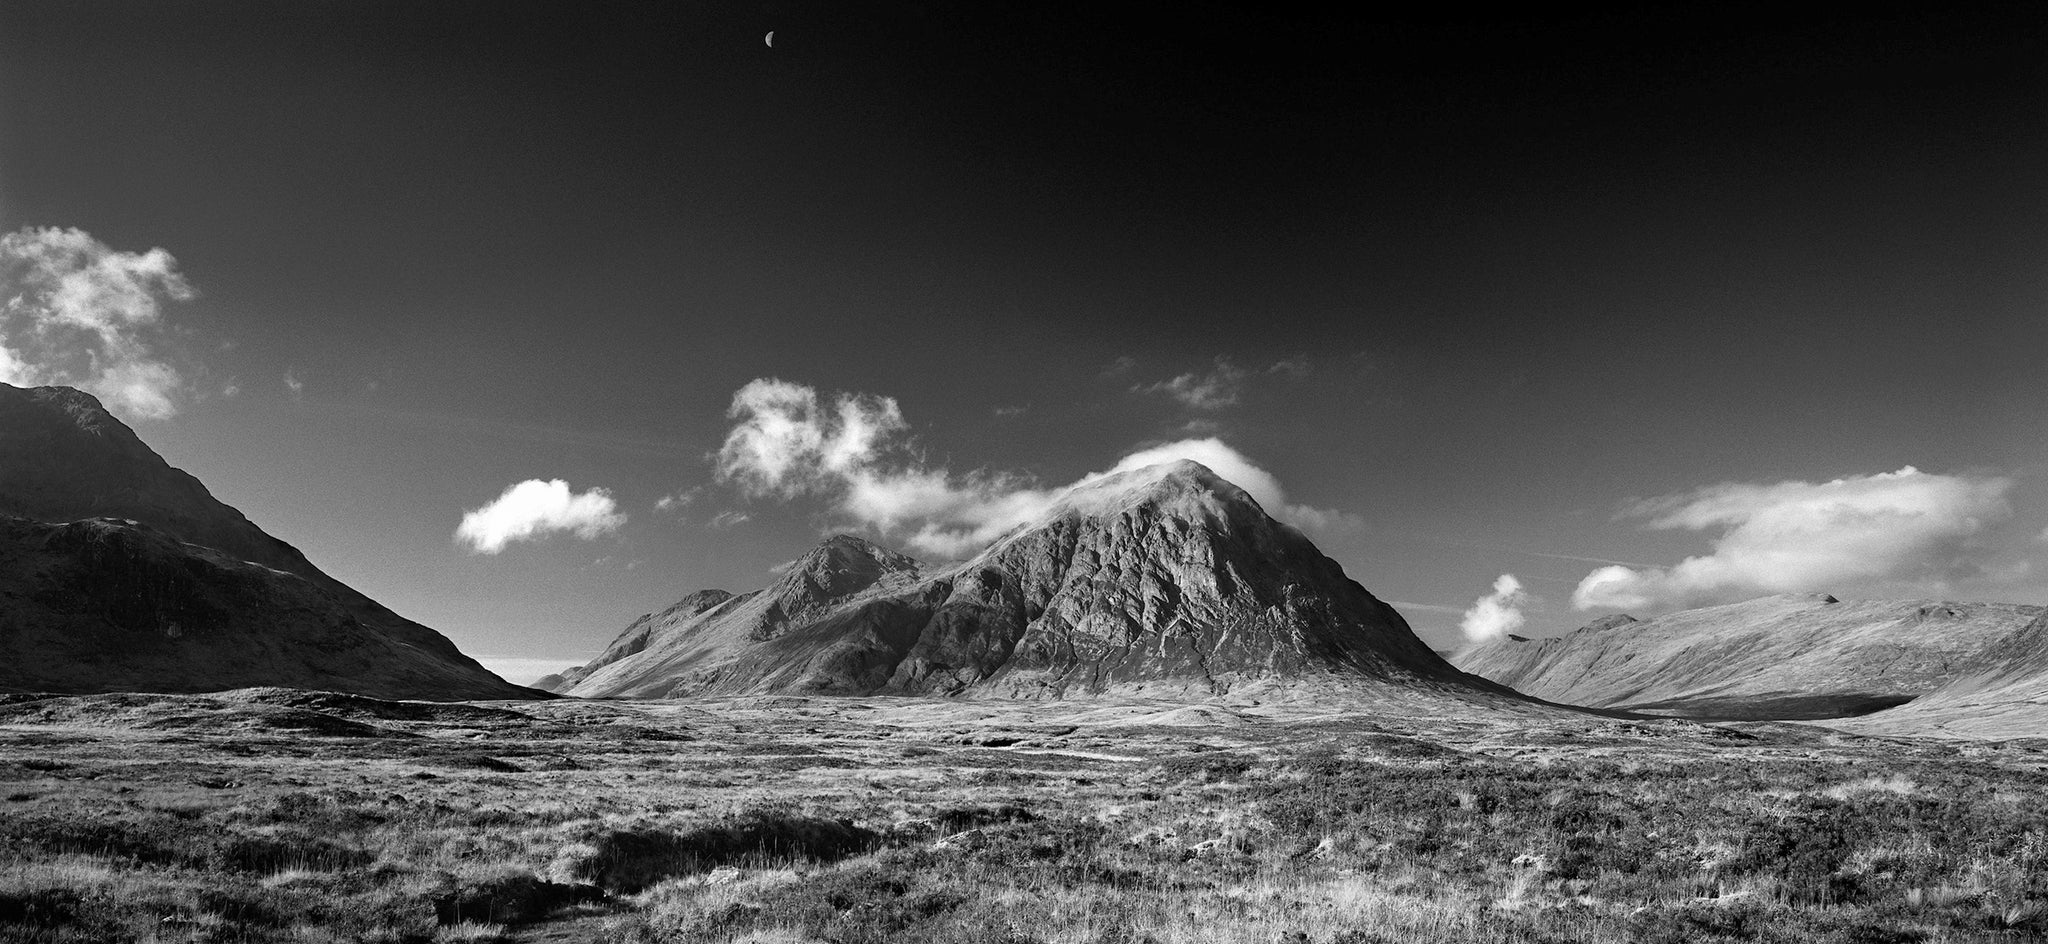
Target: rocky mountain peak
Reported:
[(841, 565), (1610, 622), (1181, 487)]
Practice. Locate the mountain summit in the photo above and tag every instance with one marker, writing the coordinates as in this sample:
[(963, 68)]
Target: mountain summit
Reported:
[(119, 572), (1162, 580)]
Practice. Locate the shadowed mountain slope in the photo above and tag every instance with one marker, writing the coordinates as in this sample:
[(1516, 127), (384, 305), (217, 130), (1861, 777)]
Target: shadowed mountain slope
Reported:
[(1787, 657), (119, 572), (2003, 693), (1161, 581)]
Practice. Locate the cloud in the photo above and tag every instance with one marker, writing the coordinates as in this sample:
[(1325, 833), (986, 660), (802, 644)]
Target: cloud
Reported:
[(1498, 613), (293, 384), (1218, 387), (80, 313), (532, 509), (729, 519), (679, 500), (1807, 537), (852, 450), (1222, 385), (1296, 366)]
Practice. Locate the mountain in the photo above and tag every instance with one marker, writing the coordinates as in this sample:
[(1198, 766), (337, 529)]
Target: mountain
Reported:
[(2002, 693), (1165, 580), (119, 572), (1787, 657)]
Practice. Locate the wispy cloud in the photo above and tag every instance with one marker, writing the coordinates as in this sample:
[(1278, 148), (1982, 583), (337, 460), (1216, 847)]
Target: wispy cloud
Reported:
[(80, 313), (1425, 607), (853, 451), (1496, 614), (533, 509), (292, 384), (1808, 536), (1222, 384), (1213, 389), (679, 500)]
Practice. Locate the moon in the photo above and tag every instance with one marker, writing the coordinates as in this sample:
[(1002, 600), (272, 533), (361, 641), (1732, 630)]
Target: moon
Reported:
[(771, 39)]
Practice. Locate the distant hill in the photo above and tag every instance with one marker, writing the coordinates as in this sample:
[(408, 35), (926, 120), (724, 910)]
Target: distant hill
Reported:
[(2003, 693), (1163, 581), (1788, 657), (119, 572)]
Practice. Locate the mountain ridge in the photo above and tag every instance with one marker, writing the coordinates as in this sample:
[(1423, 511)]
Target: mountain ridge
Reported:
[(119, 549), (1782, 657), (1163, 579)]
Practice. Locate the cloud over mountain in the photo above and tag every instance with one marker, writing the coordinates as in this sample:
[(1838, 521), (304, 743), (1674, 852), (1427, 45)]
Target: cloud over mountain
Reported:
[(853, 451), (1498, 613), (533, 509), (79, 313), (1807, 536)]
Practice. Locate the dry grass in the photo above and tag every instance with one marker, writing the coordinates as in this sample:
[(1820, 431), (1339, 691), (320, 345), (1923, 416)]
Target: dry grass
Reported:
[(887, 820)]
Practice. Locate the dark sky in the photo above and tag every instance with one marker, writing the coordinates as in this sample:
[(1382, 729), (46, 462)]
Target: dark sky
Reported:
[(1518, 272)]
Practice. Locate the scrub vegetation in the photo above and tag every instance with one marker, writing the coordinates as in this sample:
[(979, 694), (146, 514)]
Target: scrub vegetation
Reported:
[(243, 817)]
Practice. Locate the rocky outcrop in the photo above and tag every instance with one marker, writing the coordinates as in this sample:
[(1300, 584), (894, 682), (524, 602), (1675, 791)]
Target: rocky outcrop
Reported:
[(1788, 657), (123, 573), (1166, 580)]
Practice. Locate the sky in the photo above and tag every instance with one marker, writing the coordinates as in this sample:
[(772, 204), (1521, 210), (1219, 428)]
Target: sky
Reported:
[(527, 319)]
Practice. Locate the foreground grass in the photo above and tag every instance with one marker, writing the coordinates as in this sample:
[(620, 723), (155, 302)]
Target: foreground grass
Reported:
[(817, 823)]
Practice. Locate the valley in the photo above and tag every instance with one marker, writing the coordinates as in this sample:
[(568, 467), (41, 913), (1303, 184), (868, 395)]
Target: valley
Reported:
[(278, 815)]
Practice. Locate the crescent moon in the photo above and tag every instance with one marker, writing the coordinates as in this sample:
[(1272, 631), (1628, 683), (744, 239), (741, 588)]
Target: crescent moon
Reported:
[(771, 39)]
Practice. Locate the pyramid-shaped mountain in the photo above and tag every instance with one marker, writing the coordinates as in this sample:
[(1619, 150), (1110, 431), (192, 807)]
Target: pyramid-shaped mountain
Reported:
[(121, 573), (1161, 581)]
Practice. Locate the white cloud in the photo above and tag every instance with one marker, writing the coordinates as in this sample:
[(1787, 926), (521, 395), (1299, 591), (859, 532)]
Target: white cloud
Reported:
[(1218, 387), (679, 500), (1296, 366), (293, 384), (1808, 537), (1498, 613), (787, 442), (532, 509), (83, 314), (1222, 385)]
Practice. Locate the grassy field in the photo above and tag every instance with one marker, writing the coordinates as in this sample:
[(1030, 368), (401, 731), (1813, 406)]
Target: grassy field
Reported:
[(270, 815)]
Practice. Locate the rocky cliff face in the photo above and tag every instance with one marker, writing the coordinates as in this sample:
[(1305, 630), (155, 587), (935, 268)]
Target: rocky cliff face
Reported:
[(123, 573), (1167, 580), (1788, 657)]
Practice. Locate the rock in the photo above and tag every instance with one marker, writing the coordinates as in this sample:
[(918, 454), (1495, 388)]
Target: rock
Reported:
[(1165, 581), (121, 573), (970, 840)]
